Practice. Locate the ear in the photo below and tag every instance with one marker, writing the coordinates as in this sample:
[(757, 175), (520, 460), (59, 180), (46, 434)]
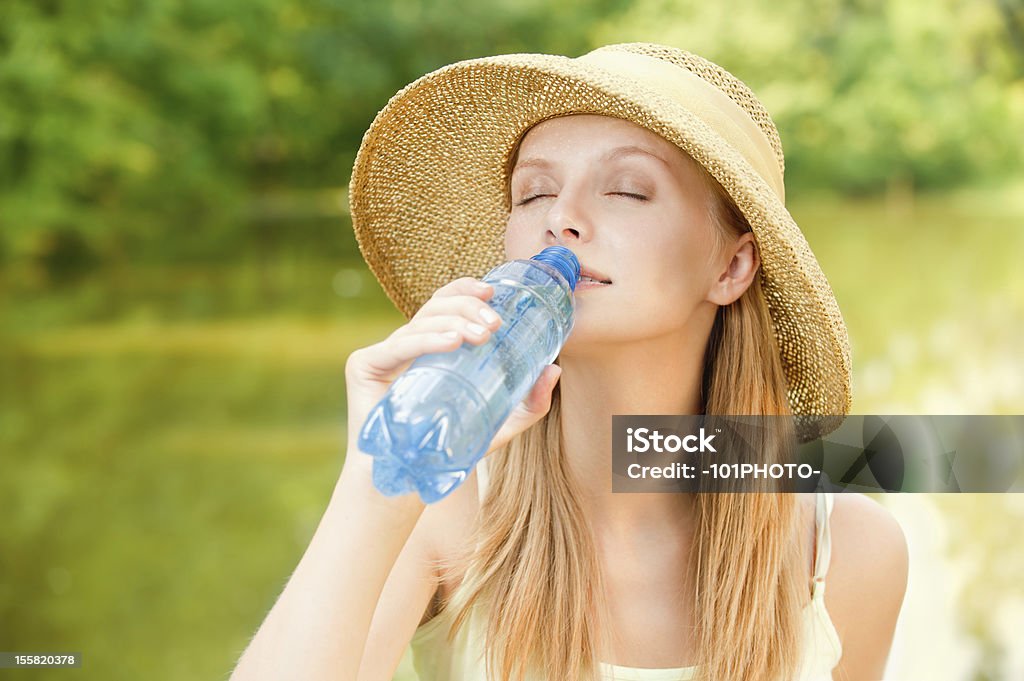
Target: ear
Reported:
[(742, 263)]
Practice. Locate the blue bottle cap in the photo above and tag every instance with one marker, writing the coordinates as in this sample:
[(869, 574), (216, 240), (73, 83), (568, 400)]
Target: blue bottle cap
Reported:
[(563, 260)]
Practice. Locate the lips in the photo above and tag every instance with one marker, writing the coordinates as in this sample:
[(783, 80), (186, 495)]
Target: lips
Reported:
[(593, 276)]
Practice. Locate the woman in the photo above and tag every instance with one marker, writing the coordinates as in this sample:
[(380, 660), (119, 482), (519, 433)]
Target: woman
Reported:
[(663, 174)]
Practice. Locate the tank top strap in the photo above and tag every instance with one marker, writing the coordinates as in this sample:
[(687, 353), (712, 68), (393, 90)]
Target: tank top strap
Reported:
[(822, 542), (482, 479)]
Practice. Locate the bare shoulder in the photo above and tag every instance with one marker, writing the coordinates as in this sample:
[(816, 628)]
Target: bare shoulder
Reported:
[(868, 547), (866, 582)]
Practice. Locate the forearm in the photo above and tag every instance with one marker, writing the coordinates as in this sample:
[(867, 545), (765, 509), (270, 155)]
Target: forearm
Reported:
[(318, 627)]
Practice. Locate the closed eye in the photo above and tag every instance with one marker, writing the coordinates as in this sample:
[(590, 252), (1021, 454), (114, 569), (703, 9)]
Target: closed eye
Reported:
[(631, 195), (532, 197)]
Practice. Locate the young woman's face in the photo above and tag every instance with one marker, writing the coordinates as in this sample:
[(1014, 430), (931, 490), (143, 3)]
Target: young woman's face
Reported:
[(635, 211)]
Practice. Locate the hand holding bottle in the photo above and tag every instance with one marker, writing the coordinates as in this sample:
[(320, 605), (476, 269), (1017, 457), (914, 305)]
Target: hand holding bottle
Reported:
[(457, 313)]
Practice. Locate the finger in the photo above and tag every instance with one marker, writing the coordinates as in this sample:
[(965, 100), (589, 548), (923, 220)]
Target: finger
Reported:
[(389, 358), (465, 286), (471, 309), (472, 329), (538, 401), (531, 409)]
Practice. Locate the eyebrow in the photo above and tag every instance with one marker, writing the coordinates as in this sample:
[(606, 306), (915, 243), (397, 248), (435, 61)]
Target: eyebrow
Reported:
[(631, 150), (613, 155)]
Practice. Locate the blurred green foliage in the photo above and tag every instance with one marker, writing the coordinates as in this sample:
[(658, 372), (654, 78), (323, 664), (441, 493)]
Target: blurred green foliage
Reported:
[(169, 129)]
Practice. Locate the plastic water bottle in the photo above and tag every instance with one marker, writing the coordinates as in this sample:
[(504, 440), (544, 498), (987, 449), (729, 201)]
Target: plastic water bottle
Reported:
[(438, 417)]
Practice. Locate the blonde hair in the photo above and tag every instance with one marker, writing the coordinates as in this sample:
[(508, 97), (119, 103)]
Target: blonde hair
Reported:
[(534, 565)]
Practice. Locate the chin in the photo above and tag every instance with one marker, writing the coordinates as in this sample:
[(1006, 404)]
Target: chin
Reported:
[(604, 328), (592, 333)]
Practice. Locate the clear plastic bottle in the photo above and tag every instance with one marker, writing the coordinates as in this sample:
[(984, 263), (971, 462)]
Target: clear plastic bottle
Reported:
[(438, 417)]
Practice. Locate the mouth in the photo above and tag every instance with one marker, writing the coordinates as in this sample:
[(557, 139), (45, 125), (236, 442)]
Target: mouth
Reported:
[(593, 277)]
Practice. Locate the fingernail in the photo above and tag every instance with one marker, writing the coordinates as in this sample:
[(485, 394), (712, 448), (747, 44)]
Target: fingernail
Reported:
[(488, 315), (450, 335), (475, 329)]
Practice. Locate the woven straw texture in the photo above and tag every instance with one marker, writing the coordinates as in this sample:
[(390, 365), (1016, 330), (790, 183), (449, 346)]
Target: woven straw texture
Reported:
[(429, 198)]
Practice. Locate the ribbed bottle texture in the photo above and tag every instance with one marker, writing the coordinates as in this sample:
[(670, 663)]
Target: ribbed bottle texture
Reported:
[(438, 417)]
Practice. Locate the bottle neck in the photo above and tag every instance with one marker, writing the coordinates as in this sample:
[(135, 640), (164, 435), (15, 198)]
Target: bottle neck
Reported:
[(564, 261)]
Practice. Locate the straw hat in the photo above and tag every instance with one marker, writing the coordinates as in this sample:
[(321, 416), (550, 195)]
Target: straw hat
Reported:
[(429, 191)]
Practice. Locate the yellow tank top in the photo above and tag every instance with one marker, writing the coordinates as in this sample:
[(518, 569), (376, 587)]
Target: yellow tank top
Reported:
[(436, 660)]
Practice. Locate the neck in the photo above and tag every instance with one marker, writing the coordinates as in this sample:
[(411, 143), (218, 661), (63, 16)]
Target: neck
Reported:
[(657, 376)]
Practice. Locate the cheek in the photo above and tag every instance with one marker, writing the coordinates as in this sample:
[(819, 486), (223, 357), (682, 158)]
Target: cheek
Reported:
[(672, 266), (517, 245), (688, 245), (657, 255)]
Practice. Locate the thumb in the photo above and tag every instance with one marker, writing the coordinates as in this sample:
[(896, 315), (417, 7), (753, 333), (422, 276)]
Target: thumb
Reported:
[(531, 409), (538, 401)]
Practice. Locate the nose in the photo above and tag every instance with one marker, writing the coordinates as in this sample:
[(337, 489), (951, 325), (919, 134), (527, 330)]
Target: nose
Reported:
[(568, 221)]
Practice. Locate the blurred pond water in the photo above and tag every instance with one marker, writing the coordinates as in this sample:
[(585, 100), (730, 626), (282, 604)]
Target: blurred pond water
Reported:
[(170, 436)]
